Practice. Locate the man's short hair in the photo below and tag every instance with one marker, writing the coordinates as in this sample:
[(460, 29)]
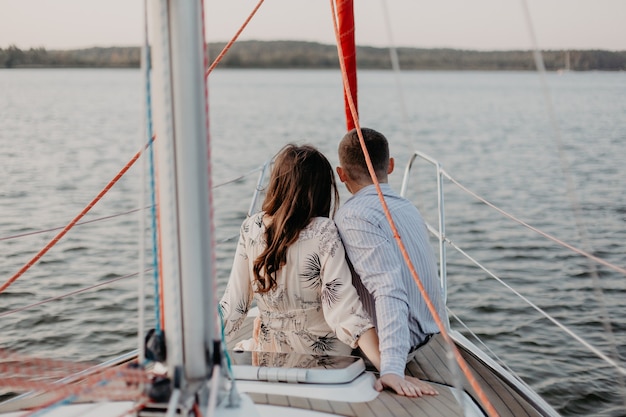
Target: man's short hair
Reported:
[(352, 159)]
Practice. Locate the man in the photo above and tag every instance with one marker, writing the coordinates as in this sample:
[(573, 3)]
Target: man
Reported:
[(384, 281)]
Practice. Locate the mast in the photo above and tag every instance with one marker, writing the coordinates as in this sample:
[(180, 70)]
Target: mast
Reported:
[(181, 127), (345, 18)]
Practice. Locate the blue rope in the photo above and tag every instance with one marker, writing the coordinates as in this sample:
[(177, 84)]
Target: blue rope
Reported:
[(66, 401), (155, 248), (224, 348)]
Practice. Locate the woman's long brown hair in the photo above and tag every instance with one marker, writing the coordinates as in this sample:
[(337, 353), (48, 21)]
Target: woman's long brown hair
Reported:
[(302, 186)]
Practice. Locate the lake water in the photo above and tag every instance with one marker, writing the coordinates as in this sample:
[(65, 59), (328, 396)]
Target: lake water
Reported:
[(65, 133)]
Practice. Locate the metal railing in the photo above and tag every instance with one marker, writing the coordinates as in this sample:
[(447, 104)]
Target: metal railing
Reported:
[(440, 232), (444, 241)]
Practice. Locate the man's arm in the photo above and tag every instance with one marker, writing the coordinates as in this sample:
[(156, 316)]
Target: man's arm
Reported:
[(375, 260)]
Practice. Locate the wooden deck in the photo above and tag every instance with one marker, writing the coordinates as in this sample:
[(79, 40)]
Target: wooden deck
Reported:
[(431, 364), (386, 404)]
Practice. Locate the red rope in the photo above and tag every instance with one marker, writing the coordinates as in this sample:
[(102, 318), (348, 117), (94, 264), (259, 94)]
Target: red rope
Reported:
[(462, 364), (97, 386), (71, 224), (232, 41)]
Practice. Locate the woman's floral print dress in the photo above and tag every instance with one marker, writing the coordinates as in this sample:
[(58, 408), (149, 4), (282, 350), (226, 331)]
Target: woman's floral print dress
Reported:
[(314, 307)]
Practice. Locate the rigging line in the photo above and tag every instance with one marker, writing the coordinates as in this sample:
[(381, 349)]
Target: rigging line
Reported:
[(232, 41), (66, 394), (51, 367), (37, 232), (233, 395), (239, 178), (145, 66), (75, 220), (567, 172), (591, 348), (395, 66), (94, 221), (168, 170), (78, 291), (123, 213), (490, 273), (564, 163), (41, 410), (149, 131), (536, 230), (491, 411), (487, 348), (212, 244)]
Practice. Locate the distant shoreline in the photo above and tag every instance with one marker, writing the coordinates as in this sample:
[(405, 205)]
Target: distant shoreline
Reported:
[(311, 55)]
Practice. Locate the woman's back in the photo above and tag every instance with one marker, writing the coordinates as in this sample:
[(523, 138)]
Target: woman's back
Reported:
[(313, 307)]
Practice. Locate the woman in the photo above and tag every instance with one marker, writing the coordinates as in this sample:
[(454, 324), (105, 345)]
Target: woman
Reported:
[(290, 259)]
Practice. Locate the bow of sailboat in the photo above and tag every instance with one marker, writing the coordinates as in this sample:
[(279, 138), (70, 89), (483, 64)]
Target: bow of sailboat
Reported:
[(185, 368)]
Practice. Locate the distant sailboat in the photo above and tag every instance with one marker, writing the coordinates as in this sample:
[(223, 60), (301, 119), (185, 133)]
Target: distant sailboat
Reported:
[(566, 67)]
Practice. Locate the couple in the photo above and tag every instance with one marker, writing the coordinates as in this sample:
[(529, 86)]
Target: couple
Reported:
[(291, 258)]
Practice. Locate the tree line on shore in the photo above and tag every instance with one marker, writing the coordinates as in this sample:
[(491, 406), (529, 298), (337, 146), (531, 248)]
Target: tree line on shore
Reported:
[(311, 55)]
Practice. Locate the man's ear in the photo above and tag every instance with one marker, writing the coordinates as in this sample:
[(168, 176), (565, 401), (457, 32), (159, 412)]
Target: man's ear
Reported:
[(342, 174), (392, 165)]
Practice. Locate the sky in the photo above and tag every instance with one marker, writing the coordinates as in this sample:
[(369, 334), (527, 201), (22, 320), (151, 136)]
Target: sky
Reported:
[(460, 24)]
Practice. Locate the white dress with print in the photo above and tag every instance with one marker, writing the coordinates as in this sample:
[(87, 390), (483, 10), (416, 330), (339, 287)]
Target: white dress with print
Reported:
[(314, 307)]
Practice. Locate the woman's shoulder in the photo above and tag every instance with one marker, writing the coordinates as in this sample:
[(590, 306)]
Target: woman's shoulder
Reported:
[(319, 227), (322, 223), (252, 222), (324, 231)]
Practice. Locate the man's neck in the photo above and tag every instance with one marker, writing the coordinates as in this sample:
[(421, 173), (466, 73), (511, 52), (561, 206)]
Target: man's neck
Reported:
[(356, 187)]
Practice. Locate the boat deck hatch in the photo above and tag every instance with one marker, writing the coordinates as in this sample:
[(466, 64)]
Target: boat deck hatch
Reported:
[(295, 367)]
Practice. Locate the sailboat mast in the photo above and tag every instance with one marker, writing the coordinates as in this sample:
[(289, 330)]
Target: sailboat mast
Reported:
[(186, 243)]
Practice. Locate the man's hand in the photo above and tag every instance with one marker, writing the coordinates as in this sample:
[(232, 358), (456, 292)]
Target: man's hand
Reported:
[(407, 386)]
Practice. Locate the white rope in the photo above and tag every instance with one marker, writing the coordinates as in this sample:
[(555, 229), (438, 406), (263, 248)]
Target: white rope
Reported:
[(127, 212), (479, 340), (567, 172), (591, 348), (395, 66), (534, 229)]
